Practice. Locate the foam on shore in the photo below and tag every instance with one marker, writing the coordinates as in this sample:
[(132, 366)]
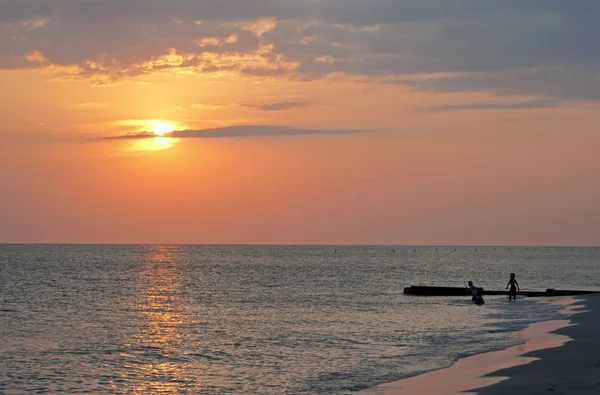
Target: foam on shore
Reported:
[(539, 365)]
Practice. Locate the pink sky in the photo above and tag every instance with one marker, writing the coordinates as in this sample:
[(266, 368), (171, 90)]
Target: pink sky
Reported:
[(400, 126)]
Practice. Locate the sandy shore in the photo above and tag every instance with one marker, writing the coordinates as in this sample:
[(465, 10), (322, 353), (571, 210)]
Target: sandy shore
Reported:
[(558, 357), (572, 369)]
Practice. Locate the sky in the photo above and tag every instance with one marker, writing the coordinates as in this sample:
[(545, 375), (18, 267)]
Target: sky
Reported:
[(415, 122)]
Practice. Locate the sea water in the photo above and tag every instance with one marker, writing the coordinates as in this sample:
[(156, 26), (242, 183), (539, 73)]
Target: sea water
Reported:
[(258, 319)]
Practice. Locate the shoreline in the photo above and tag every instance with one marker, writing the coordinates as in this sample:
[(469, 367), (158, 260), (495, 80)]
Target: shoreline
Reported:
[(492, 373), (572, 369)]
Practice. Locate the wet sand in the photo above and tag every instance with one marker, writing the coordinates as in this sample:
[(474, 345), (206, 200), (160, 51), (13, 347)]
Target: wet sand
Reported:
[(558, 357), (573, 369)]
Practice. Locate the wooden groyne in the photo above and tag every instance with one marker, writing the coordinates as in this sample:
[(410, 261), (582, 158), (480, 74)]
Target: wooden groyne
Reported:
[(458, 291)]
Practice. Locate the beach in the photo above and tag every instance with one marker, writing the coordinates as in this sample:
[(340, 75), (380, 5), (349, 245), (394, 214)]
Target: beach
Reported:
[(271, 319), (558, 357), (571, 369)]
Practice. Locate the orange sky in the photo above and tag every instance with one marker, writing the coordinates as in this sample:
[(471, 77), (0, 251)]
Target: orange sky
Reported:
[(365, 157)]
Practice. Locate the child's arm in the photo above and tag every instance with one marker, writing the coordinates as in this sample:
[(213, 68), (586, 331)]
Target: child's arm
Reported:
[(517, 284), (507, 284)]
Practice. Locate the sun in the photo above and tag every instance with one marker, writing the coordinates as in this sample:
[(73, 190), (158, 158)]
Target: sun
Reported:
[(161, 130), (158, 134)]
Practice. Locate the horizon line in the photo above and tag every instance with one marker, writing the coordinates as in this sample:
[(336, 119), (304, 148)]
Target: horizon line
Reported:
[(302, 245)]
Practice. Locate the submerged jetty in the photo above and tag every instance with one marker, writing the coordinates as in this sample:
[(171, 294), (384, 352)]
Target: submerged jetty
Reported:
[(419, 290)]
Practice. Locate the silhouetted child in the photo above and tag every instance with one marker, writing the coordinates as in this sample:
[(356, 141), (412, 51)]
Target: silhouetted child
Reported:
[(476, 293), (474, 290), (514, 286)]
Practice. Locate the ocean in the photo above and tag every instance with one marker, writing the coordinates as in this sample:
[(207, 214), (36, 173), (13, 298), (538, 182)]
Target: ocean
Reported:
[(259, 319)]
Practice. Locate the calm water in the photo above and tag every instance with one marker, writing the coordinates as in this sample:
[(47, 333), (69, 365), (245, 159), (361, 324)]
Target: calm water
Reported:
[(229, 319)]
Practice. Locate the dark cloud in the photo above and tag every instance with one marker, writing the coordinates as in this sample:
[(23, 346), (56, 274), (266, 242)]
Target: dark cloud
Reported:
[(543, 47), (532, 104), (237, 131), (275, 106), (566, 83), (19, 10)]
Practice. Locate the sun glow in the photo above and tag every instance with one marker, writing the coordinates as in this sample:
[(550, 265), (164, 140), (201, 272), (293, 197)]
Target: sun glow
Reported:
[(162, 129), (156, 133)]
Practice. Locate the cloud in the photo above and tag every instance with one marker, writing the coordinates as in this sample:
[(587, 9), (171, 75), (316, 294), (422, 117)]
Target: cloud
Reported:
[(206, 106), (532, 104), (238, 131), (535, 47), (275, 106)]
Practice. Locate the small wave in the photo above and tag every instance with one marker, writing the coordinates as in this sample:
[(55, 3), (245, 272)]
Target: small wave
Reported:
[(205, 356)]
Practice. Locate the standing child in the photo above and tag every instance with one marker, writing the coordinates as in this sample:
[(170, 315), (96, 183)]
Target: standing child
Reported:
[(514, 286)]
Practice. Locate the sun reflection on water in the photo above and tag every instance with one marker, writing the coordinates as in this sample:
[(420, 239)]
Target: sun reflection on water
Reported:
[(157, 361)]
